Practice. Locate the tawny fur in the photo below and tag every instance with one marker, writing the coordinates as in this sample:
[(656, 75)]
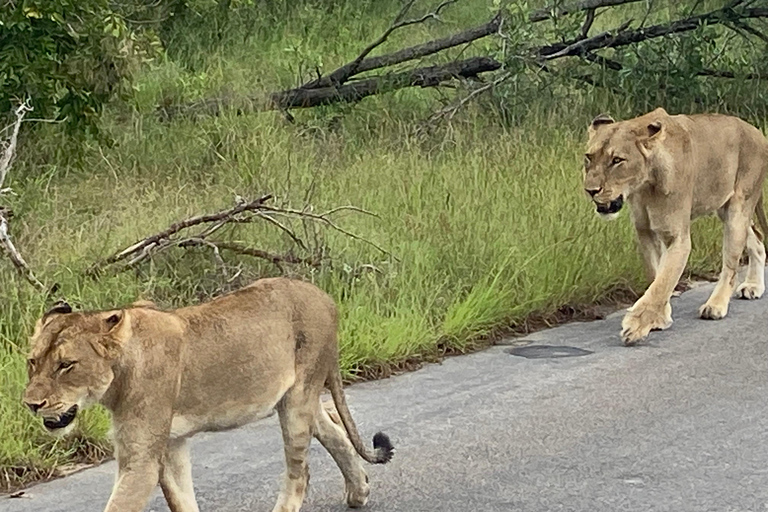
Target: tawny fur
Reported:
[(166, 375), (671, 169)]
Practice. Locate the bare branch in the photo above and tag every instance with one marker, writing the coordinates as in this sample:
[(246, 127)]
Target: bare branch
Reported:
[(241, 213), (6, 244), (325, 219), (413, 52), (450, 111), (588, 21), (10, 149), (146, 244), (430, 76), (342, 74), (621, 37), (553, 11), (750, 29), (250, 251)]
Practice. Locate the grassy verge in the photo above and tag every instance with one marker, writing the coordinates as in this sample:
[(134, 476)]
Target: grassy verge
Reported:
[(487, 221)]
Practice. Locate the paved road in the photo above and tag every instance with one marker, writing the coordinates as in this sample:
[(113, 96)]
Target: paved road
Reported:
[(676, 425)]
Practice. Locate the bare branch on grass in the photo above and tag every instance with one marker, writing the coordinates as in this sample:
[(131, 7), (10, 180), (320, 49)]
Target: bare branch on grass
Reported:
[(6, 160), (430, 76), (450, 111), (177, 235)]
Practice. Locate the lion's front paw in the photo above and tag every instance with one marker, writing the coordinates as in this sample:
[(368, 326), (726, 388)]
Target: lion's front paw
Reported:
[(641, 320), (713, 311), (750, 291)]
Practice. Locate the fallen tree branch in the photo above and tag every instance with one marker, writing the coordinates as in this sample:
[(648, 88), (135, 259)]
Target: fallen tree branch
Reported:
[(621, 37), (176, 235), (355, 91), (250, 251), (6, 244), (144, 246), (342, 74), (351, 92), (414, 52)]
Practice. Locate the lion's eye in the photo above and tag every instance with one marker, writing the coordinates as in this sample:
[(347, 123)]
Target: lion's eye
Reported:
[(66, 366), (617, 160)]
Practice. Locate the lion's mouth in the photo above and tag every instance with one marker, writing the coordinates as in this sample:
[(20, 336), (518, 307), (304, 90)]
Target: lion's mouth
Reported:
[(62, 421), (609, 208)]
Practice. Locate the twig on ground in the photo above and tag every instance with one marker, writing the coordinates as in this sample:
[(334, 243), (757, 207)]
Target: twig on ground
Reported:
[(243, 212)]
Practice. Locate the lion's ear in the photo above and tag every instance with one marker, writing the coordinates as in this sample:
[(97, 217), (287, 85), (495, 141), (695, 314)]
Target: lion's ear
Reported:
[(116, 326), (655, 135), (601, 120)]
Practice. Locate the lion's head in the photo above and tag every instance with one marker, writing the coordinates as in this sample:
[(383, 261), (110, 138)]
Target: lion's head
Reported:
[(621, 158), (71, 362)]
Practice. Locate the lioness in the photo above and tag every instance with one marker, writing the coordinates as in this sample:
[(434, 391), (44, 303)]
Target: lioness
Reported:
[(671, 169), (166, 375)]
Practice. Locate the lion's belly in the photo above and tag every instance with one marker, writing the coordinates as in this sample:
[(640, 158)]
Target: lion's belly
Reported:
[(224, 417)]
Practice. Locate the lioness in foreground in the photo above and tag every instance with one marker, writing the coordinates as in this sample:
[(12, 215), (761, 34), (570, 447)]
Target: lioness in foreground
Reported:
[(166, 375), (671, 169)]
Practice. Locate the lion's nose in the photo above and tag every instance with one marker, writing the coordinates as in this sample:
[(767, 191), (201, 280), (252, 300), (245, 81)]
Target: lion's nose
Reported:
[(593, 191), (34, 407)]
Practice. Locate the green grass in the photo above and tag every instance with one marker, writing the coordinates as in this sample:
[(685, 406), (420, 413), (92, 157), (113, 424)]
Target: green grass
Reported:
[(487, 221)]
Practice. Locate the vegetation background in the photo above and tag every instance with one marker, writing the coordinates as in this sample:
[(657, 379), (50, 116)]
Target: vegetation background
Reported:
[(482, 213)]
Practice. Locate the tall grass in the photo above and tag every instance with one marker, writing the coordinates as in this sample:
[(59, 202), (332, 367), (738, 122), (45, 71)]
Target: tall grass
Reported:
[(486, 220)]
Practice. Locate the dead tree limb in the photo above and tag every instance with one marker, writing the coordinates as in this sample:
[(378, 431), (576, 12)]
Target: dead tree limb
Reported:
[(177, 235), (355, 91), (6, 244), (622, 37), (144, 246), (250, 251), (413, 52), (351, 92), (555, 11), (342, 74)]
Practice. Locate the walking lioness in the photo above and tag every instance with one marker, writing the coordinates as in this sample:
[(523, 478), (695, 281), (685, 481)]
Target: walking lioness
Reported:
[(671, 169), (166, 375)]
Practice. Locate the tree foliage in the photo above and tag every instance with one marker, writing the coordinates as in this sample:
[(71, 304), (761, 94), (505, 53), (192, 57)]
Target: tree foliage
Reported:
[(69, 57)]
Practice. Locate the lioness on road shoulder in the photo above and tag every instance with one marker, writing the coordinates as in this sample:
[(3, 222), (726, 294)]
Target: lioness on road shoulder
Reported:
[(671, 169), (166, 375)]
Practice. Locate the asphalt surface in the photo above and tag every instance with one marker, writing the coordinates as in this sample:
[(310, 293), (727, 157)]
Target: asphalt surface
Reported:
[(678, 424)]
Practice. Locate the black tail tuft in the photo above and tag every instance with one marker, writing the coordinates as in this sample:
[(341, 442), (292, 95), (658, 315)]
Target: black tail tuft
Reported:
[(383, 448)]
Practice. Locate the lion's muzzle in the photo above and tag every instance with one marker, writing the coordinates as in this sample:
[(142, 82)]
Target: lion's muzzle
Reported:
[(610, 208), (61, 421)]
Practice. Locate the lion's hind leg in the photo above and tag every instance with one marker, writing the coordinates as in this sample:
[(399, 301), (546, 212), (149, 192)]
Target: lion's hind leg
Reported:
[(176, 478), (753, 286), (297, 411), (333, 437), (736, 224)]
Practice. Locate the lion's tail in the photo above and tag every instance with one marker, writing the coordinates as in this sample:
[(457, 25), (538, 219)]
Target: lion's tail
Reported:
[(382, 446), (760, 211)]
